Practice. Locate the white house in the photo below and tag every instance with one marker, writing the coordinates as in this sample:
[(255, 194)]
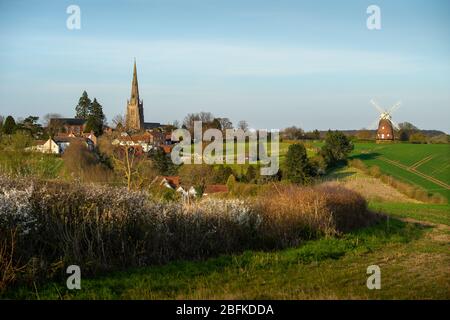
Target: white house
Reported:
[(186, 194), (49, 146), (145, 141), (59, 144)]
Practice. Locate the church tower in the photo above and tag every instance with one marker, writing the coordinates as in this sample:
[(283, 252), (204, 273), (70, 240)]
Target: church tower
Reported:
[(135, 107)]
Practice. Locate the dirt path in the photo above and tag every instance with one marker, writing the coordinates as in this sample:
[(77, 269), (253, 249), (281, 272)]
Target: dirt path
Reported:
[(371, 188)]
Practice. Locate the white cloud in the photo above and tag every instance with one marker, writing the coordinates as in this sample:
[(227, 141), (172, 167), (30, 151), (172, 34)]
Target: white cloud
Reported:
[(215, 58)]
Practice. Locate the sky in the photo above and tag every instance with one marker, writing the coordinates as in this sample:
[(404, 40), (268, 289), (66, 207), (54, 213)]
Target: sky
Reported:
[(313, 64)]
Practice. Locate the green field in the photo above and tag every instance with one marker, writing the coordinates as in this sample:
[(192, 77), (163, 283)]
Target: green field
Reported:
[(283, 149), (425, 165), (432, 213)]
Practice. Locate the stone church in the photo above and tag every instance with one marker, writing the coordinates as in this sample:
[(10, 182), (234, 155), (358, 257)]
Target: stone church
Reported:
[(135, 109)]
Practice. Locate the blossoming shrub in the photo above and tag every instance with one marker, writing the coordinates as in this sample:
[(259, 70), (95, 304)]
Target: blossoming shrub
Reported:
[(101, 228)]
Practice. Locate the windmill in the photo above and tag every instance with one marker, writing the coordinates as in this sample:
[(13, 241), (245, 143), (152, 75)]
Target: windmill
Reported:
[(386, 125)]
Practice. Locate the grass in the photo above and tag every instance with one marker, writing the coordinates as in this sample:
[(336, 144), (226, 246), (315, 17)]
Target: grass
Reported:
[(46, 166), (434, 213), (413, 259), (241, 169), (437, 166)]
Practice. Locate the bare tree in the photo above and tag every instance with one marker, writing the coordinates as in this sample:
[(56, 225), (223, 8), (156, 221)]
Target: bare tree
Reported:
[(243, 125), (189, 121), (128, 161), (118, 119), (225, 123), (52, 123), (46, 119), (176, 124), (206, 117), (293, 133)]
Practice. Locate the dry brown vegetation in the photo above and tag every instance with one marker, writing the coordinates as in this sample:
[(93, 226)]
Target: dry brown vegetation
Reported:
[(371, 188), (83, 165), (321, 210), (102, 228)]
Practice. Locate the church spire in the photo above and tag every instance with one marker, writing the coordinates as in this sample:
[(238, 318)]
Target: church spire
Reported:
[(135, 107), (134, 86)]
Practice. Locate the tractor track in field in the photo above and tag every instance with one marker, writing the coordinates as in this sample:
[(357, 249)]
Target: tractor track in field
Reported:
[(420, 162), (412, 169)]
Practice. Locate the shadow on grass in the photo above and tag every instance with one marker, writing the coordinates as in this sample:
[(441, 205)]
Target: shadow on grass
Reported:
[(365, 156), (334, 172), (178, 276)]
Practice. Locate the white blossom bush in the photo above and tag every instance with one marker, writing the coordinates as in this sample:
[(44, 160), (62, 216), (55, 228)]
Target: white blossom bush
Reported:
[(235, 210), (16, 209)]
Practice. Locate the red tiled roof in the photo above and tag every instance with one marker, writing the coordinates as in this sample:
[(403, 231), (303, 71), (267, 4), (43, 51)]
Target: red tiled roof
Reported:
[(136, 138), (172, 180), (140, 138), (124, 138), (67, 138), (216, 188), (39, 142), (166, 148)]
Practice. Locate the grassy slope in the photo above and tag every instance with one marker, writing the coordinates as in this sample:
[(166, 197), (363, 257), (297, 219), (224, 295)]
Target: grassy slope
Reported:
[(414, 261), (413, 258), (46, 166), (408, 154)]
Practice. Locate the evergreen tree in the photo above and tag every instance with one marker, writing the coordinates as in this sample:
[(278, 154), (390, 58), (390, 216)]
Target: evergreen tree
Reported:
[(162, 162), (82, 109), (9, 126), (96, 111), (337, 147), (95, 119), (90, 126), (31, 125), (297, 165)]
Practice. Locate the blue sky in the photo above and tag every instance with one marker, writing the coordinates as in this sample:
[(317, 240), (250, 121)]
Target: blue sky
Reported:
[(313, 64)]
